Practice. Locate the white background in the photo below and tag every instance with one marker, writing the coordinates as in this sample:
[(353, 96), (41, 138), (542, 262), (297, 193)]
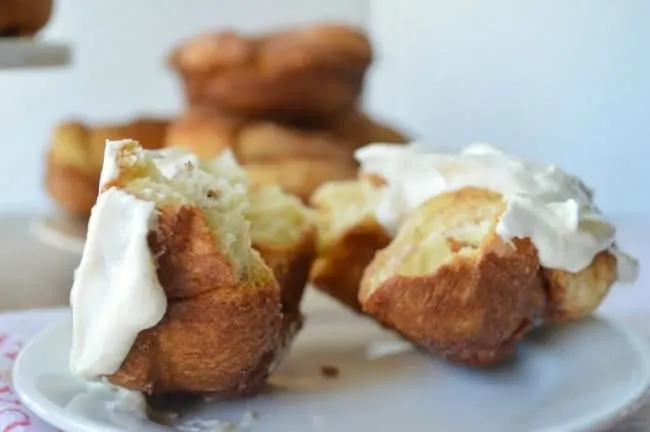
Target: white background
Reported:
[(565, 82), (561, 81)]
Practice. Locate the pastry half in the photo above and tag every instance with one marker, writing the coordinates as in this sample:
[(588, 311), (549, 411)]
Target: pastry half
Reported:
[(226, 321), (451, 284)]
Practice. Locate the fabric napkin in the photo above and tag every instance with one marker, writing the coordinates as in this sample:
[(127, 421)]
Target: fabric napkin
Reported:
[(16, 329)]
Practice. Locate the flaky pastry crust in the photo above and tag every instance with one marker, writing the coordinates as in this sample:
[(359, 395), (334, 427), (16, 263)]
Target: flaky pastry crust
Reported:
[(299, 177), (218, 335)]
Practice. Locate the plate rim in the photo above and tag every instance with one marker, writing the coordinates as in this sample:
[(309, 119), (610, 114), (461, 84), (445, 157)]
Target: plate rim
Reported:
[(39, 404), (602, 420), (55, 238)]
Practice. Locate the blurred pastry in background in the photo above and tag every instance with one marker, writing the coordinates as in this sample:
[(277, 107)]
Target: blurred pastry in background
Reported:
[(75, 157), (298, 159), (360, 129), (204, 131), (285, 103), (302, 73), (19, 18)]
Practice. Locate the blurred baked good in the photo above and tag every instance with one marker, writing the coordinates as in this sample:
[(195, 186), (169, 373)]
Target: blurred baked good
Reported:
[(75, 157), (215, 319), (301, 73), (359, 129), (23, 17), (204, 131)]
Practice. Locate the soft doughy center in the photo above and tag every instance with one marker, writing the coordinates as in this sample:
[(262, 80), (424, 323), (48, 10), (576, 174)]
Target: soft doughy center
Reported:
[(440, 232), (277, 219), (343, 205), (221, 202)]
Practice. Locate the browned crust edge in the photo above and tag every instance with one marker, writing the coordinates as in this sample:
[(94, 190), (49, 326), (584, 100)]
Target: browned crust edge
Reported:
[(472, 310), (338, 271), (217, 336)]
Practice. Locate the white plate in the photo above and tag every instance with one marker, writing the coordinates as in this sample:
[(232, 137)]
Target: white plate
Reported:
[(584, 376)]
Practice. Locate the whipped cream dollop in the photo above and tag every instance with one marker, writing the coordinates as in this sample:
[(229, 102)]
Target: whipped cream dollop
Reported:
[(116, 293), (551, 207)]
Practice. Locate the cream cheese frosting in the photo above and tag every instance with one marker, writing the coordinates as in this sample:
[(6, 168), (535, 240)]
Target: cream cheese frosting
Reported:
[(551, 207), (116, 293)]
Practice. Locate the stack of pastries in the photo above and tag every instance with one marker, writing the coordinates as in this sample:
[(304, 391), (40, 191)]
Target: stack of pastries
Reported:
[(286, 103)]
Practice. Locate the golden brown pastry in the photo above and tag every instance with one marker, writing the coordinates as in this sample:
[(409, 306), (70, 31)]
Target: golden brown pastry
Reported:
[(283, 232), (229, 315), (449, 283), (268, 141), (23, 17), (348, 237), (75, 157), (307, 72), (204, 131)]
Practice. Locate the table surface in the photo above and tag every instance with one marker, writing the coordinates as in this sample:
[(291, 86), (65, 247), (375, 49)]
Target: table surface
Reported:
[(35, 275)]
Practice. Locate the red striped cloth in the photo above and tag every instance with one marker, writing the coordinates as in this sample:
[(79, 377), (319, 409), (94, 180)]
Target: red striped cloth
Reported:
[(15, 330)]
